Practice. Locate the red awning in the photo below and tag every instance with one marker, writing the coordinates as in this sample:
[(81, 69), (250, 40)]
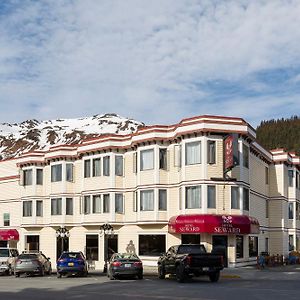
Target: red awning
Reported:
[(9, 234), (217, 224)]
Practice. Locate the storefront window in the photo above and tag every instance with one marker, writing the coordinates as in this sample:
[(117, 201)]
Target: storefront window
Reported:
[(239, 246), (152, 245), (190, 239), (253, 246), (92, 247)]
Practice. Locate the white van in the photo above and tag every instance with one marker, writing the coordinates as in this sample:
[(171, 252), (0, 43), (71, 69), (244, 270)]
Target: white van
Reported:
[(8, 258)]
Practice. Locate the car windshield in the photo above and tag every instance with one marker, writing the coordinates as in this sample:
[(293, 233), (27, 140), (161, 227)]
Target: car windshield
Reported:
[(71, 255), (125, 256), (27, 256), (191, 249), (4, 253)]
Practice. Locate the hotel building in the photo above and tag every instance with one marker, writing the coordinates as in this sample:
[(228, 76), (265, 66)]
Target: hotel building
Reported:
[(204, 180)]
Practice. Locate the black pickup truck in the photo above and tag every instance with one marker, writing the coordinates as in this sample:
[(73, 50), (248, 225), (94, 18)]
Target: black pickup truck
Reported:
[(188, 260)]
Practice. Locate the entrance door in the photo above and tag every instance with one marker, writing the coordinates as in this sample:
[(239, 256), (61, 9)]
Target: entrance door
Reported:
[(33, 242), (62, 244), (112, 246), (220, 243)]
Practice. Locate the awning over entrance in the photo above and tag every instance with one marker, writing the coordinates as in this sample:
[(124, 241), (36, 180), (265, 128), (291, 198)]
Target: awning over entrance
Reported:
[(9, 234), (217, 224)]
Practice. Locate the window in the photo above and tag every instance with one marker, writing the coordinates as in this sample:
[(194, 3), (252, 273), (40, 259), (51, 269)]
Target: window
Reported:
[(134, 165), (245, 156), (291, 211), (87, 205), (235, 201), (267, 175), (119, 203), (87, 168), (135, 201), (106, 203), (92, 247), (291, 242), (39, 176), (6, 219), (39, 208), (163, 159), (162, 199), (193, 197), (253, 246), (267, 244), (96, 204), (239, 246), (56, 206), (177, 156), (147, 160), (211, 196), (245, 199), (69, 172), (298, 180), (119, 165), (27, 208), (297, 211), (190, 239), (192, 153), (69, 206), (211, 152), (96, 167), (267, 208), (152, 245), (106, 165), (56, 173), (27, 177), (290, 176), (147, 200)]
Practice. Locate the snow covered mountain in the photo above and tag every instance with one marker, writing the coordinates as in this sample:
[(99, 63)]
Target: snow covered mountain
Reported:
[(30, 135)]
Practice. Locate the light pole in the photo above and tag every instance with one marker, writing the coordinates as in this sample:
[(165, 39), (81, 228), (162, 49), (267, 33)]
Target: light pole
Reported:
[(62, 233), (106, 230)]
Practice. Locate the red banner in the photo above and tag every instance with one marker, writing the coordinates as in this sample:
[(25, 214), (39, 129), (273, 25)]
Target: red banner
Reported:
[(228, 153), (217, 224)]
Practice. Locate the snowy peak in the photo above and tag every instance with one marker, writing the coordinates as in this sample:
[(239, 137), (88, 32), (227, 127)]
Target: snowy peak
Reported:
[(30, 135)]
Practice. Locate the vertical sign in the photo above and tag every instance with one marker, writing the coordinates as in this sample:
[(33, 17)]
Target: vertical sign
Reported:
[(228, 153)]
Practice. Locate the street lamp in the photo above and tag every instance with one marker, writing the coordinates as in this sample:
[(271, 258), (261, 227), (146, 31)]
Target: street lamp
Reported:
[(62, 233), (106, 230)]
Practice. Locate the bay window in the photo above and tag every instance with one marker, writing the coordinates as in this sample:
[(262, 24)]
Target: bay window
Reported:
[(147, 160), (193, 197), (147, 200), (192, 153), (56, 173)]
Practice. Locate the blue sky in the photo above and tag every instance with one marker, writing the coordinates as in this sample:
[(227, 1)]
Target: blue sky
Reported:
[(154, 61)]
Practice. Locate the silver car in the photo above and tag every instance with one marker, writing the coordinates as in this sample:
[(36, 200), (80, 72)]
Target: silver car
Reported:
[(8, 257), (32, 263)]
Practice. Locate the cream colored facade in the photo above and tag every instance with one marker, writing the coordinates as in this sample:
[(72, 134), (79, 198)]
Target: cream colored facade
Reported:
[(162, 171)]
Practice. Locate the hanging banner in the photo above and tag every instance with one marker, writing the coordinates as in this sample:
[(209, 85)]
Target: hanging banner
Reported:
[(228, 153)]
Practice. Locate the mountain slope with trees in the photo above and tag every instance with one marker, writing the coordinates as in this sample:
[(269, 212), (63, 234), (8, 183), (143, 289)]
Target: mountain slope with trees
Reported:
[(280, 133)]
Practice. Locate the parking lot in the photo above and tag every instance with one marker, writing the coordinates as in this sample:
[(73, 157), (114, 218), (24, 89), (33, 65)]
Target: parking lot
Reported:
[(243, 283)]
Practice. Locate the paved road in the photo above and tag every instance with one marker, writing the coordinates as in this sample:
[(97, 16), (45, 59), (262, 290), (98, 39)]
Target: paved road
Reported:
[(241, 284)]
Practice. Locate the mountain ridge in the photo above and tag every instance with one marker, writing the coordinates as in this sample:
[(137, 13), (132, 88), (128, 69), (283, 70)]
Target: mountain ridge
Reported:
[(30, 135)]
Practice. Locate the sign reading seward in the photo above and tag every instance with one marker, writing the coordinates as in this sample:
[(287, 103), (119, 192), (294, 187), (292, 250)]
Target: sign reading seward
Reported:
[(217, 224)]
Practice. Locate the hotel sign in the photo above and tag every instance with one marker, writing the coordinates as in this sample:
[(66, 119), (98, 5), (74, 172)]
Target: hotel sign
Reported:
[(228, 153)]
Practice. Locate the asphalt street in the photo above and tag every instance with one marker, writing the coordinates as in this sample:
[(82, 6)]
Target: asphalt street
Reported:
[(243, 283)]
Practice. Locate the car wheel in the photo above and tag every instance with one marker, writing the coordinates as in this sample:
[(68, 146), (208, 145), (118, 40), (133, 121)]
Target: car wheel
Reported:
[(17, 274), (161, 272), (180, 274), (42, 272), (49, 271), (214, 277), (140, 276), (58, 275)]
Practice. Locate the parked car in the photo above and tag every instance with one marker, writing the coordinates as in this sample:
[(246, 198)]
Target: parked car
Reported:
[(188, 260), (125, 264), (8, 258), (32, 263), (73, 263)]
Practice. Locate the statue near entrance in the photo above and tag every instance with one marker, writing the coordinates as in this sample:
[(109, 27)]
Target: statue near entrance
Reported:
[(130, 247)]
